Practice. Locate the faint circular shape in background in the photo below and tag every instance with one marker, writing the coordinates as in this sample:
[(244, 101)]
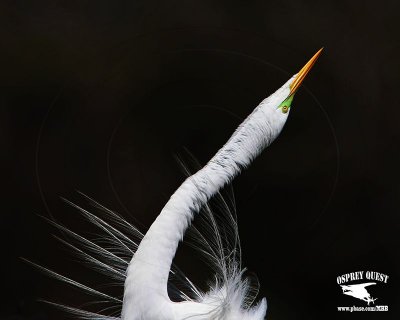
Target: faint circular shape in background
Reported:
[(160, 96)]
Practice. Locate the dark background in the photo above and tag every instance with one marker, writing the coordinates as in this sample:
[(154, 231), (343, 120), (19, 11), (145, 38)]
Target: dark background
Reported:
[(99, 96)]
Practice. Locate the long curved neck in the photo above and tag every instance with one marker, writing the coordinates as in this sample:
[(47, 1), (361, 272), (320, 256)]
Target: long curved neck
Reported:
[(148, 272)]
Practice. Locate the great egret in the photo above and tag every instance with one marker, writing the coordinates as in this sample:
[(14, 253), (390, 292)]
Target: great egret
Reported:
[(144, 262)]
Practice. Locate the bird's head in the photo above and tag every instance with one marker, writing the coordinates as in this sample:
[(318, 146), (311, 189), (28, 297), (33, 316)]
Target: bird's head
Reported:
[(277, 106), (260, 128)]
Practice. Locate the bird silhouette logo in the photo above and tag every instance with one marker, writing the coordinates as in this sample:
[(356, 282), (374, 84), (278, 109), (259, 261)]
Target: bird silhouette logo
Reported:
[(358, 291)]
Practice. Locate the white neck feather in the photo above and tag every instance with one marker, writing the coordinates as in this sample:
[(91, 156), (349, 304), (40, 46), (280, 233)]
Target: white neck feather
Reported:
[(147, 274)]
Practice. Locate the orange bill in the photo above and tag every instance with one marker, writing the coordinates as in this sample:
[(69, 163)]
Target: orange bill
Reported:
[(303, 73)]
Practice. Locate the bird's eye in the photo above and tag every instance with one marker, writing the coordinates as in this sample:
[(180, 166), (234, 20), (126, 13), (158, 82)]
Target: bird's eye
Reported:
[(285, 109)]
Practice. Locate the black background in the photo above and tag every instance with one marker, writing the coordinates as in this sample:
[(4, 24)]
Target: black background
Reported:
[(99, 96)]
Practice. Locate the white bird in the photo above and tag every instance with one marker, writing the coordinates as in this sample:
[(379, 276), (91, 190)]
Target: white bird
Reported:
[(146, 275)]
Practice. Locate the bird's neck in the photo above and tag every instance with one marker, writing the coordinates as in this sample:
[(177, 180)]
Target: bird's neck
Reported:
[(147, 274)]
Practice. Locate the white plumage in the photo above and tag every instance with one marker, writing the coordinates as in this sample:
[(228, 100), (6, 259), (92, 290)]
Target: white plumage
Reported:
[(145, 295), (144, 262)]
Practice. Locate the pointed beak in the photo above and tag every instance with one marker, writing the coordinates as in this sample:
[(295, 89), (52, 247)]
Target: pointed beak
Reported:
[(303, 73)]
